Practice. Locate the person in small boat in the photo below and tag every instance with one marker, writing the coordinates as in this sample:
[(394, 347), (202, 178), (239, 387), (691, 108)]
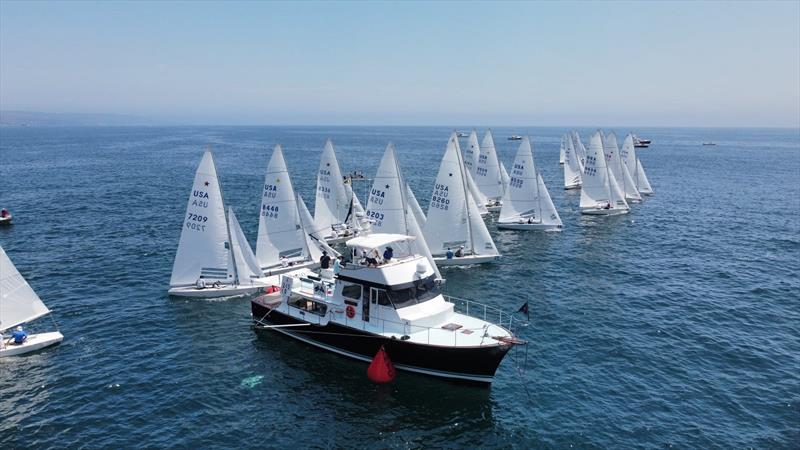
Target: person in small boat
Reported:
[(372, 259), (4, 213), (325, 260), (334, 234), (201, 283), (530, 219), (460, 252), (449, 253), (19, 336), (608, 206), (388, 254), (284, 261)]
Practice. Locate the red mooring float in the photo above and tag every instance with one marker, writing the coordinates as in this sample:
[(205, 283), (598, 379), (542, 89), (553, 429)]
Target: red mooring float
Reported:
[(381, 370)]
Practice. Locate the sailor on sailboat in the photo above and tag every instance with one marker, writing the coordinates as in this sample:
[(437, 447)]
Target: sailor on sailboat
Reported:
[(600, 194), (454, 231), (487, 174), (334, 203), (527, 204), (19, 304), (213, 257), (619, 169)]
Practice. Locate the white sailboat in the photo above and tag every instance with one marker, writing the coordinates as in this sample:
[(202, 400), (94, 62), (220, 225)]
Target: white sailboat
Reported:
[(389, 210), (634, 166), (333, 204), (453, 222), (19, 304), (580, 149), (562, 150), (357, 216), (487, 174), (471, 154), (600, 194), (620, 171), (212, 249), (572, 165), (527, 204), (283, 238)]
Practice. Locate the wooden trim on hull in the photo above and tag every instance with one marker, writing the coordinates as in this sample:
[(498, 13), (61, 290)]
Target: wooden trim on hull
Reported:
[(461, 363)]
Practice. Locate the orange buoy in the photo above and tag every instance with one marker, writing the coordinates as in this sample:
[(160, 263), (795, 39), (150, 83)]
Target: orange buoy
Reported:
[(381, 370)]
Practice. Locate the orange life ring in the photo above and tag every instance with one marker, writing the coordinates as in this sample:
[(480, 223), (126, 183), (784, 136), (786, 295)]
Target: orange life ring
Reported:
[(351, 312), (273, 289)]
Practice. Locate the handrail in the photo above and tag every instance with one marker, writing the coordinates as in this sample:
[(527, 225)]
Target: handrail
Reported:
[(504, 319)]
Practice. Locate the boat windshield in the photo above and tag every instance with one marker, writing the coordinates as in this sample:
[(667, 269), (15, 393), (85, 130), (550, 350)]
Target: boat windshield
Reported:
[(421, 291)]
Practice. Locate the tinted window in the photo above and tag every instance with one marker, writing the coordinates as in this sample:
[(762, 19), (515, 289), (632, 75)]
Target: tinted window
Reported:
[(352, 291), (422, 291)]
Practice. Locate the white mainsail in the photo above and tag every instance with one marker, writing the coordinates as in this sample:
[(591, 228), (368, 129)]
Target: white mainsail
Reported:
[(279, 229), (504, 176), (527, 199), (471, 153), (487, 172), (314, 242), (18, 302), (332, 201), (388, 206), (203, 247), (580, 149), (477, 195), (572, 165), (618, 168), (562, 150), (599, 192), (357, 218), (453, 218), (247, 267)]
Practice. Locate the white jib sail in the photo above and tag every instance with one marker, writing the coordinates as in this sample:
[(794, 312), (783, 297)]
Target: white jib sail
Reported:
[(247, 267), (452, 221), (487, 173), (621, 175), (580, 149), (358, 217), (504, 176), (388, 209), (279, 230), (572, 166), (415, 208), (628, 155), (203, 246), (332, 202), (642, 182), (18, 302), (477, 195), (562, 150), (314, 242), (597, 190), (527, 196)]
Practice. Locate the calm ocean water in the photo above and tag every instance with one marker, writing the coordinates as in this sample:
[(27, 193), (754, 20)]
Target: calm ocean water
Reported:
[(676, 325)]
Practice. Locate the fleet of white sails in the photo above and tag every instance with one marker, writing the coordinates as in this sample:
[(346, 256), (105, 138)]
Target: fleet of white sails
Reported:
[(215, 259)]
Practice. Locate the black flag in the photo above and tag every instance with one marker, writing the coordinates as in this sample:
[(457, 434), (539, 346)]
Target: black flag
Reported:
[(524, 309)]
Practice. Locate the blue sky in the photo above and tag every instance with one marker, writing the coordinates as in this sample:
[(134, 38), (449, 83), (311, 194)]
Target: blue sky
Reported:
[(539, 63)]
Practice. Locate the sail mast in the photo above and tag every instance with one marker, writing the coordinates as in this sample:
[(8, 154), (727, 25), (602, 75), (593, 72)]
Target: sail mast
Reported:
[(462, 170)]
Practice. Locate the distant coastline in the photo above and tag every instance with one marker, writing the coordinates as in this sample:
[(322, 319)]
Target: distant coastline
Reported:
[(45, 119)]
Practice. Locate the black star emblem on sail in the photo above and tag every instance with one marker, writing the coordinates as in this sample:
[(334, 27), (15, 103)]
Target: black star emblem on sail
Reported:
[(327, 164), (206, 183), (450, 174), (387, 186)]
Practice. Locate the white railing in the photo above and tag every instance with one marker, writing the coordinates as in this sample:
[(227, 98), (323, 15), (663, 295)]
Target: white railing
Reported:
[(482, 311)]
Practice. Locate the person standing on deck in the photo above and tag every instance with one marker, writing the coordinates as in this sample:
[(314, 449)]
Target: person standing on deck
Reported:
[(325, 261)]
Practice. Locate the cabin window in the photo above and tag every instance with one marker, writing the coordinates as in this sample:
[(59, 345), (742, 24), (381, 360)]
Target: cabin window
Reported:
[(305, 304), (352, 291), (423, 290)]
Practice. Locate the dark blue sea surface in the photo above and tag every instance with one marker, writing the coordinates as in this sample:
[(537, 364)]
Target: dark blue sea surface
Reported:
[(676, 325)]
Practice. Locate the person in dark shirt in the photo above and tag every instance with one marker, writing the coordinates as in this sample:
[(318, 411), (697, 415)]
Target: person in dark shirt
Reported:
[(449, 253), (388, 254), (325, 261), (460, 252)]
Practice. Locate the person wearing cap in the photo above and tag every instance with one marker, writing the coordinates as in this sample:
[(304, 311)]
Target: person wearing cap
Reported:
[(19, 335), (325, 260), (449, 253), (460, 252), (388, 254)]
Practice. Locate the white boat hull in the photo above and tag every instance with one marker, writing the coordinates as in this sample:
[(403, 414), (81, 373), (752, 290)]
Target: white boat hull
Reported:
[(604, 212), (574, 186), (6, 220), (212, 292), (529, 226), (464, 260), (33, 343)]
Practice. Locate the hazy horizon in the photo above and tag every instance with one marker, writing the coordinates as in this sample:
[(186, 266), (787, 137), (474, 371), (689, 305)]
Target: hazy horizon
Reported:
[(705, 64)]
